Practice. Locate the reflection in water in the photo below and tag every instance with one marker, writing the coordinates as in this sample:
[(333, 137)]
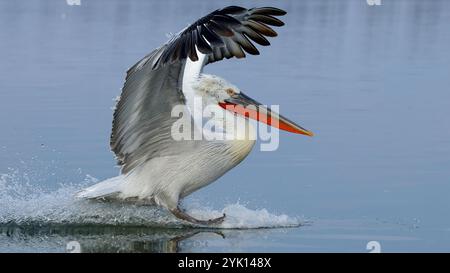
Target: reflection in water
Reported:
[(111, 239), (102, 238), (138, 240)]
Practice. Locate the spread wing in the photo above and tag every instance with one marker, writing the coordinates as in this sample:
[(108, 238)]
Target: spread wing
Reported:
[(142, 118)]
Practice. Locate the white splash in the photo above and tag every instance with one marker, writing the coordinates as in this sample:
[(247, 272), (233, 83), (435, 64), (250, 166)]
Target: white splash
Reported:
[(239, 216), (24, 204)]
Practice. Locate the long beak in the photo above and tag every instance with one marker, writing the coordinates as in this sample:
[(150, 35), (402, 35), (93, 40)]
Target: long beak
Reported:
[(248, 107)]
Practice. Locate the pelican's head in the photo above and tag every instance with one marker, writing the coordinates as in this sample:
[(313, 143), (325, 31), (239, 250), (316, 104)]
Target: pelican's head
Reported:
[(217, 91), (214, 90)]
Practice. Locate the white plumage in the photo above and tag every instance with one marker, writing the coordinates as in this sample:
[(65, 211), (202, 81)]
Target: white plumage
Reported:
[(158, 168)]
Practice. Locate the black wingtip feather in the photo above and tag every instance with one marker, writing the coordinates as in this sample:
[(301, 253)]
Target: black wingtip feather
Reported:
[(255, 36), (233, 10), (211, 37), (261, 28), (224, 33), (267, 19), (202, 44), (226, 20), (268, 11), (220, 29)]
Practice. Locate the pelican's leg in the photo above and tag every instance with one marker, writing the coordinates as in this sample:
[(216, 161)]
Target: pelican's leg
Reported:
[(179, 213)]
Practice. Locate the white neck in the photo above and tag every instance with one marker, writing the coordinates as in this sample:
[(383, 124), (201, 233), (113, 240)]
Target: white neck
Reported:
[(226, 124)]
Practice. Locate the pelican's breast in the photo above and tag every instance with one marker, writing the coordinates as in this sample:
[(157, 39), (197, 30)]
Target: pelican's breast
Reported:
[(243, 141)]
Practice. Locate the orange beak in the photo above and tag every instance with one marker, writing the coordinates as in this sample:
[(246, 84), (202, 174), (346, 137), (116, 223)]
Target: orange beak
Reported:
[(243, 105)]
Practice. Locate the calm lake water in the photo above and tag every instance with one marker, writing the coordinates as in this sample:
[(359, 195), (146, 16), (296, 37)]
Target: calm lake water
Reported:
[(372, 82)]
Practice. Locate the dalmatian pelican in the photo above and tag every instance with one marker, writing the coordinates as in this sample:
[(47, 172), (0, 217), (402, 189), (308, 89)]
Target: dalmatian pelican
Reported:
[(155, 166)]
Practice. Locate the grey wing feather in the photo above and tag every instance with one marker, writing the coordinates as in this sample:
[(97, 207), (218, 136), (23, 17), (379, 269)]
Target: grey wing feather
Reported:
[(142, 118)]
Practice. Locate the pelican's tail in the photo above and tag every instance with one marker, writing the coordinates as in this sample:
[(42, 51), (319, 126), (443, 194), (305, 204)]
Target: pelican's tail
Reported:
[(105, 189)]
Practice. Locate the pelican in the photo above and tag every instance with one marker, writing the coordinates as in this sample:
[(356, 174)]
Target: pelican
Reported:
[(159, 169)]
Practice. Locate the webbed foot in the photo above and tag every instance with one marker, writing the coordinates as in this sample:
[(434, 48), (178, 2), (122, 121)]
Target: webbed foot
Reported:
[(184, 216)]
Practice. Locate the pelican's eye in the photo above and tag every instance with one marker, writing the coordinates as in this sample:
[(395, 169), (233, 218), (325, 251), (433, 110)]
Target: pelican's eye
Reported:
[(230, 92)]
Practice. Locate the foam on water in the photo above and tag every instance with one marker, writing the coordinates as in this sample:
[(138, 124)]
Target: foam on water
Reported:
[(24, 204)]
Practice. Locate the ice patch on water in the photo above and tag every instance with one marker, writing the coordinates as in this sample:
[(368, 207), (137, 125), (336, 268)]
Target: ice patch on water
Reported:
[(24, 204)]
